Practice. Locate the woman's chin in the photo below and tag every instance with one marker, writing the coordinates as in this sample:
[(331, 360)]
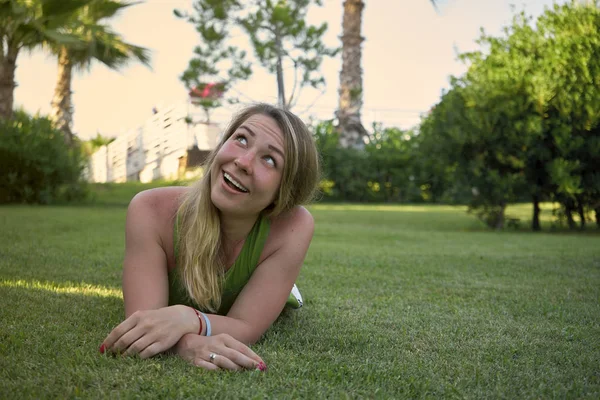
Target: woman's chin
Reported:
[(237, 209), (238, 204), (231, 206)]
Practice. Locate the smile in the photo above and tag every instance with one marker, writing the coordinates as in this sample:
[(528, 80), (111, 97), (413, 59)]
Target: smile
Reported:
[(233, 183)]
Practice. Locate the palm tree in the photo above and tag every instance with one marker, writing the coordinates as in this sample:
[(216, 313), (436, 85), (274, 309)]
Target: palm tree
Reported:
[(350, 127), (99, 43), (28, 25), (350, 101)]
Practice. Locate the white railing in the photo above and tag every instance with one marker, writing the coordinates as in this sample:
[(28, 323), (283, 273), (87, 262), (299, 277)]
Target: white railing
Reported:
[(152, 151)]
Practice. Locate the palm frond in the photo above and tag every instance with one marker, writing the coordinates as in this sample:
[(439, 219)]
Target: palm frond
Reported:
[(96, 41), (62, 39), (109, 48), (112, 51), (38, 23), (60, 8), (98, 10)]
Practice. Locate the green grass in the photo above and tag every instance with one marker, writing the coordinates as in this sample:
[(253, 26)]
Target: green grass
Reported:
[(401, 301), (119, 194)]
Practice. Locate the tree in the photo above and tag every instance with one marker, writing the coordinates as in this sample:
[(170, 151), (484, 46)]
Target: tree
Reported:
[(207, 96), (95, 41), (475, 143), (391, 153), (92, 145), (278, 33), (523, 120), (352, 132), (28, 25), (572, 44), (434, 167)]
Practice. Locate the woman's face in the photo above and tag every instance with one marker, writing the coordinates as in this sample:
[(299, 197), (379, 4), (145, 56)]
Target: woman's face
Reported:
[(247, 170)]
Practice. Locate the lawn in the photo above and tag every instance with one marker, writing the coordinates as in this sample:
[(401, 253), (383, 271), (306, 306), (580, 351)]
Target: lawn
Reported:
[(400, 301)]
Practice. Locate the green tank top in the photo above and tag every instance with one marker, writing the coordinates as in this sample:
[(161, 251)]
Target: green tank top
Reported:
[(236, 277)]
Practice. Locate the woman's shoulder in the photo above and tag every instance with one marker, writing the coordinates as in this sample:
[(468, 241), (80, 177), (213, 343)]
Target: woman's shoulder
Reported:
[(292, 228), (150, 218), (161, 204), (296, 221)]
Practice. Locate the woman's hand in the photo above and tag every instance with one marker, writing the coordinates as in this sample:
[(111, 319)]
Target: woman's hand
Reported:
[(150, 332), (227, 352)]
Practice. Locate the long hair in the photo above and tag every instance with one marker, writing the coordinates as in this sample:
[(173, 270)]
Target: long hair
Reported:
[(200, 243)]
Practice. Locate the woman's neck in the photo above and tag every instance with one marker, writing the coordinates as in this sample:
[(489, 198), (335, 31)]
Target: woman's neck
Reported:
[(235, 229)]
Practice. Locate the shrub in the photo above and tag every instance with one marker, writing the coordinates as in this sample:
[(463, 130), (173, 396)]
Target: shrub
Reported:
[(380, 173), (36, 166)]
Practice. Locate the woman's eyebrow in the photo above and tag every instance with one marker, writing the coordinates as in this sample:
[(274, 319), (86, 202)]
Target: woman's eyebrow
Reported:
[(249, 130), (276, 150), (271, 147)]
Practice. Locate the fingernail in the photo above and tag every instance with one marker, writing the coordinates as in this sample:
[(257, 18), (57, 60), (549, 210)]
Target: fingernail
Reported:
[(261, 366), (102, 349)]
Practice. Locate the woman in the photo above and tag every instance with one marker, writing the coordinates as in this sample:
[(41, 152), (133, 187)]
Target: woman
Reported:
[(208, 268)]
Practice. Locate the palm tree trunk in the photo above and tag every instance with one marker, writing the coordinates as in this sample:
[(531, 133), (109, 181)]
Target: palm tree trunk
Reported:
[(8, 65), (62, 110), (350, 126)]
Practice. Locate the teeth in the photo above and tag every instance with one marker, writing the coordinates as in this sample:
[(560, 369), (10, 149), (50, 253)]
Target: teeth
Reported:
[(234, 182)]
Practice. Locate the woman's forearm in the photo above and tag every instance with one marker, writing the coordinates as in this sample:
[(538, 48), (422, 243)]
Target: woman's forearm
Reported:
[(239, 329)]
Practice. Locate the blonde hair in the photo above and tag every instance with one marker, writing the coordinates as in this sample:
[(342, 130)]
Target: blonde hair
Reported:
[(200, 260)]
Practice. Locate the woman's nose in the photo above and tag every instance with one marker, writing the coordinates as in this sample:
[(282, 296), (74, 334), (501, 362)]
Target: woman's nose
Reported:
[(244, 162)]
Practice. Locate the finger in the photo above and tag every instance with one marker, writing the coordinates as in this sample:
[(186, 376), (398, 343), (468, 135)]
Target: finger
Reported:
[(204, 364), (239, 358), (139, 345), (119, 331), (242, 348), (125, 341), (225, 363), (152, 350)]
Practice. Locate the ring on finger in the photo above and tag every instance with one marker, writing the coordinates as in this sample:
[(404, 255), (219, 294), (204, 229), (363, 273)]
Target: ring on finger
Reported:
[(212, 357)]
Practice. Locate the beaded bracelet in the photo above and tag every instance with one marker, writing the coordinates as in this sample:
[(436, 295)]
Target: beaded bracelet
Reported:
[(199, 319)]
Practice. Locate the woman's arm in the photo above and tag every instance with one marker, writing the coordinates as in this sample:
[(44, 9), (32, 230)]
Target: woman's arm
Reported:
[(145, 280), (265, 295), (257, 306), (150, 326)]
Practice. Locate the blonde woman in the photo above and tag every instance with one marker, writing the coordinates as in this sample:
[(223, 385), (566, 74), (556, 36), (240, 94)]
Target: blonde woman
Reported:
[(209, 268)]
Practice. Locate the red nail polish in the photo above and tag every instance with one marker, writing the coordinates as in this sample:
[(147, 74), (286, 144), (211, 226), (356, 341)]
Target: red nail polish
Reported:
[(262, 366), (102, 348)]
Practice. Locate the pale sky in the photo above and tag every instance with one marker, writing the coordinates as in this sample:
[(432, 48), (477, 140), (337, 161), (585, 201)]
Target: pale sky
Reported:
[(408, 55)]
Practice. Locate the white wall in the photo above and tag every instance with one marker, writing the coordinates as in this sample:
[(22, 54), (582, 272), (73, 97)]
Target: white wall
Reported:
[(97, 169), (153, 150), (206, 137)]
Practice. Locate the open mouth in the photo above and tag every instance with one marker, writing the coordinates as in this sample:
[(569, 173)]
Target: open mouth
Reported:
[(232, 183)]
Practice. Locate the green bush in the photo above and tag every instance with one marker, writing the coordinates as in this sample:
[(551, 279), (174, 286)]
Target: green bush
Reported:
[(36, 166), (382, 172)]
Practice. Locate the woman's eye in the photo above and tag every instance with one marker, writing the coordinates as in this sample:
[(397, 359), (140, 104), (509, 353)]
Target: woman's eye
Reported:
[(270, 160), (241, 139)]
